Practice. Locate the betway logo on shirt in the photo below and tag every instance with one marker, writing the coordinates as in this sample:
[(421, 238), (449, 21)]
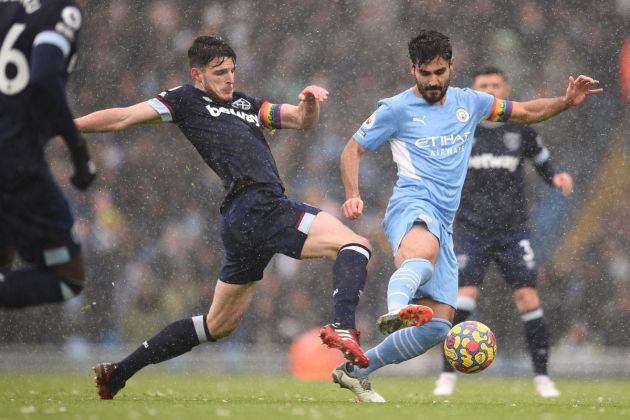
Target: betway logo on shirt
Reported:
[(216, 111), (490, 161), (444, 145)]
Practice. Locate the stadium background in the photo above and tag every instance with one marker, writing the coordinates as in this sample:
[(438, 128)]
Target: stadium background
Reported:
[(150, 224)]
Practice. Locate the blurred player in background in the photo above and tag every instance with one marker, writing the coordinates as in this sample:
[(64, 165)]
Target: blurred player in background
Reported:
[(430, 128), (258, 220), (491, 225), (38, 43)]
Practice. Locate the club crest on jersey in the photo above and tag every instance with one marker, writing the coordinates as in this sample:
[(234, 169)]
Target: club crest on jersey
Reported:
[(462, 115), (512, 141), (369, 123), (242, 104)]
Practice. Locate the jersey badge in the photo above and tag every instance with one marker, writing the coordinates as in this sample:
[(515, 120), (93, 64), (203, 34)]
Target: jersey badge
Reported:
[(462, 115), (512, 141), (242, 104), (369, 123)]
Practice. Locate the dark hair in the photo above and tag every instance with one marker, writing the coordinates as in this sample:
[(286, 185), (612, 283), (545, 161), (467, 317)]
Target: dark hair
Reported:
[(206, 48), (488, 70), (429, 45)]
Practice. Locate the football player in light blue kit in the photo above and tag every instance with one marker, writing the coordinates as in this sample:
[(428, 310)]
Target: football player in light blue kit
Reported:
[(430, 130)]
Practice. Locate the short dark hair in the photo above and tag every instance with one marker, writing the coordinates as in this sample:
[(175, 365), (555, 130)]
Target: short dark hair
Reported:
[(429, 45), (488, 70), (206, 48)]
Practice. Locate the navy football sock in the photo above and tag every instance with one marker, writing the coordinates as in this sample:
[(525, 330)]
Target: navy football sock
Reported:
[(174, 340), (537, 336), (349, 276), (461, 315), (22, 288)]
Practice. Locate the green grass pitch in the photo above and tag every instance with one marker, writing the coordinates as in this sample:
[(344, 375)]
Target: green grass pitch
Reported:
[(182, 396)]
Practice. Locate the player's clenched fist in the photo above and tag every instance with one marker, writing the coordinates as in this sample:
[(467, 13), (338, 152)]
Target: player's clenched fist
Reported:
[(352, 208)]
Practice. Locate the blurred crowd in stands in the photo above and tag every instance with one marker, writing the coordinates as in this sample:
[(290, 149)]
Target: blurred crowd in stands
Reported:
[(149, 226)]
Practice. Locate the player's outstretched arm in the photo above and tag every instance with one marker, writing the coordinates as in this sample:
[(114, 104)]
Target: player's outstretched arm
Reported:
[(117, 119), (350, 162), (306, 114), (539, 110)]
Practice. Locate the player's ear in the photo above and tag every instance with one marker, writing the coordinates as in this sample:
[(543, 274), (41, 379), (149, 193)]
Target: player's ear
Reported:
[(412, 69), (195, 73), (451, 65)]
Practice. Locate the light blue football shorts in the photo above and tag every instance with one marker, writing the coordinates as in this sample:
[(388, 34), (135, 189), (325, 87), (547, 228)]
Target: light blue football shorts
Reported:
[(402, 213)]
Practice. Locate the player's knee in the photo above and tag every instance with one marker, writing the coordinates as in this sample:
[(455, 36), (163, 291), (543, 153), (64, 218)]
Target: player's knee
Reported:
[(364, 242), (526, 299), (437, 330)]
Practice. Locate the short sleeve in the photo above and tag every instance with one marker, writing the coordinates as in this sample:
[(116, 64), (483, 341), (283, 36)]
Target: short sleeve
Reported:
[(169, 104), (60, 26), (378, 128), (483, 104)]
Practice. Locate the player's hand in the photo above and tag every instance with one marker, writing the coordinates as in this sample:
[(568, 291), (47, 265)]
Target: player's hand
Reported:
[(579, 89), (84, 168), (564, 183), (352, 208), (313, 93)]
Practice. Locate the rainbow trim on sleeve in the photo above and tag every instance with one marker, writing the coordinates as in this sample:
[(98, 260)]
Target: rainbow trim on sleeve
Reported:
[(501, 110), (270, 115)]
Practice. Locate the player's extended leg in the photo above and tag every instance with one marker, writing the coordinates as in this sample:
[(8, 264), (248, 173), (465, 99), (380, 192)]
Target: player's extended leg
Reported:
[(329, 238), (41, 285), (228, 306), (537, 336), (407, 343), (466, 304), (401, 345), (415, 260)]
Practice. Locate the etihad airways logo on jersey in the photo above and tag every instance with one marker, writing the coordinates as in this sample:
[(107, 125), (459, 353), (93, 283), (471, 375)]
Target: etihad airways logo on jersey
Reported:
[(490, 161), (444, 145), (216, 111)]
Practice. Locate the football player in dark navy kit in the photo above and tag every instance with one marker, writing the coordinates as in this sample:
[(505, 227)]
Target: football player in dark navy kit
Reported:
[(492, 226), (257, 219), (37, 46)]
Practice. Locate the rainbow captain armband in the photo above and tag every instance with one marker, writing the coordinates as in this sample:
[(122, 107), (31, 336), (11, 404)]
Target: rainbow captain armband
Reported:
[(501, 110), (270, 115)]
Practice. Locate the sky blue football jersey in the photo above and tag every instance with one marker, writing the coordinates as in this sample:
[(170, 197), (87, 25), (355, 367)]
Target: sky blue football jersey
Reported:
[(430, 144)]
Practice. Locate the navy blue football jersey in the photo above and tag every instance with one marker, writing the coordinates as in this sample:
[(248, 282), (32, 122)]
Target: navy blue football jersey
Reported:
[(493, 197), (25, 24), (228, 136)]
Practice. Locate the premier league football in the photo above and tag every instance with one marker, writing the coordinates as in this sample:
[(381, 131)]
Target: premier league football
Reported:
[(470, 347)]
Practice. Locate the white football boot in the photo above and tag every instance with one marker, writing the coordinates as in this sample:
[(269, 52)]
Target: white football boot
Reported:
[(445, 385), (545, 387), (360, 386)]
